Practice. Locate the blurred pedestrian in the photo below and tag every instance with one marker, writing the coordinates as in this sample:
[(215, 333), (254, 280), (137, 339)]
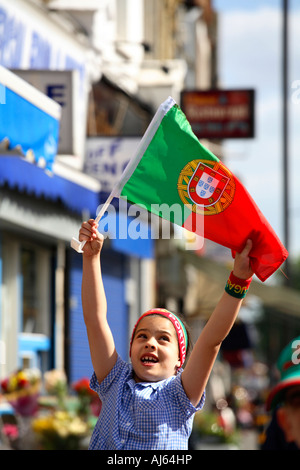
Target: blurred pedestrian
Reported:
[(284, 400), (150, 403)]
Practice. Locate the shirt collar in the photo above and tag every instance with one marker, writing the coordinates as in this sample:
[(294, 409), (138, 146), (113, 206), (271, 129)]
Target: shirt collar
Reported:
[(154, 385)]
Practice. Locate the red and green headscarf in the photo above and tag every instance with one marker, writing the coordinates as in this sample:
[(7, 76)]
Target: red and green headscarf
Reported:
[(178, 325)]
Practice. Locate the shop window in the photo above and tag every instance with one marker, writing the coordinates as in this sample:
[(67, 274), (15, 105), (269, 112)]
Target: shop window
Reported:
[(35, 289), (111, 112), (29, 276)]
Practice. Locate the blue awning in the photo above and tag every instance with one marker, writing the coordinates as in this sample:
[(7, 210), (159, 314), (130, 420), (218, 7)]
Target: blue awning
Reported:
[(28, 118), (20, 175)]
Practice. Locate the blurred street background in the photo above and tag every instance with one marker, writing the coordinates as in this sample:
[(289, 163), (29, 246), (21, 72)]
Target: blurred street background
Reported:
[(79, 83)]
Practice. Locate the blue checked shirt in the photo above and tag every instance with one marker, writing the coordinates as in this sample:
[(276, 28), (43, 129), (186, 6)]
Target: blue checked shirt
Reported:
[(141, 416)]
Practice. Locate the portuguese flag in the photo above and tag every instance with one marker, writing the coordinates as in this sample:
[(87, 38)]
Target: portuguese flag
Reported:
[(172, 169)]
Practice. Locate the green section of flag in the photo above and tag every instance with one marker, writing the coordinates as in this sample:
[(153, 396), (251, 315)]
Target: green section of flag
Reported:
[(154, 181)]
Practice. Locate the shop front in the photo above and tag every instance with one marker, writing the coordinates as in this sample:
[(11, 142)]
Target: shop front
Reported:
[(39, 215)]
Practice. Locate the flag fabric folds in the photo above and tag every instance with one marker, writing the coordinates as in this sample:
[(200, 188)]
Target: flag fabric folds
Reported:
[(172, 168)]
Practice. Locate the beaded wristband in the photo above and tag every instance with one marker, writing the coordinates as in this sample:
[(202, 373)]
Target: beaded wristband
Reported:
[(237, 287)]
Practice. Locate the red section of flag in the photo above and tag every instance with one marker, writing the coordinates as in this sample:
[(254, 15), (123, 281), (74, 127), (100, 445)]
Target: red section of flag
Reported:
[(241, 220)]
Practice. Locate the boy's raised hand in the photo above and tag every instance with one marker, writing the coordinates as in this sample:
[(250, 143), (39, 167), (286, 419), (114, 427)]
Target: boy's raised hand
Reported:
[(94, 240), (242, 268)]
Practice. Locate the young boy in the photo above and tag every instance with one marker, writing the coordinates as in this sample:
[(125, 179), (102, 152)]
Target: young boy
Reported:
[(150, 403)]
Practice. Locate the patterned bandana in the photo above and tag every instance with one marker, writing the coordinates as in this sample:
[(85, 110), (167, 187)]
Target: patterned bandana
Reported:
[(178, 325)]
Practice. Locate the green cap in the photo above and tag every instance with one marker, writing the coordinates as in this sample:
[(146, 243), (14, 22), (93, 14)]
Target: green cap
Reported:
[(289, 367)]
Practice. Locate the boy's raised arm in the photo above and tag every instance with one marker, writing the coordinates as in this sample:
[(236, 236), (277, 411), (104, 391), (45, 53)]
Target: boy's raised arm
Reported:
[(101, 342), (205, 351)]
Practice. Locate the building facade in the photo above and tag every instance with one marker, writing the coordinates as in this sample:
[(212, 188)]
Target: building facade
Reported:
[(108, 65), (43, 201)]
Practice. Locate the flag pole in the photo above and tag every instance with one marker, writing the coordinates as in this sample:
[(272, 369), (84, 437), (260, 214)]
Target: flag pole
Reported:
[(76, 244), (146, 139), (285, 74)]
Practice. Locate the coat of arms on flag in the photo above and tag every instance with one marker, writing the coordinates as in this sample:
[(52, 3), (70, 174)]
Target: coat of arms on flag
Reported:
[(208, 188)]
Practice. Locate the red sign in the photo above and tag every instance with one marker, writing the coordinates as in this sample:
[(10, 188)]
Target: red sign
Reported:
[(220, 114)]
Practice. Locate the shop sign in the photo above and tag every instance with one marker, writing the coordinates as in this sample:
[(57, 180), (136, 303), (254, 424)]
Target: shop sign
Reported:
[(106, 158), (220, 114)]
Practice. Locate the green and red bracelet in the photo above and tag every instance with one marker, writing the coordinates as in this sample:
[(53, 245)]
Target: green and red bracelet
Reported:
[(237, 287)]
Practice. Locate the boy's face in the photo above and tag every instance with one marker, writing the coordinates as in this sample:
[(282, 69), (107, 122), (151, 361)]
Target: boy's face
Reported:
[(289, 416), (154, 351)]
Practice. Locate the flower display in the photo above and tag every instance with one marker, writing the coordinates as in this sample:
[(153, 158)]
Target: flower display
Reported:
[(82, 387), (55, 418), (55, 382), (88, 399), (11, 431), (21, 380), (60, 430), (21, 389)]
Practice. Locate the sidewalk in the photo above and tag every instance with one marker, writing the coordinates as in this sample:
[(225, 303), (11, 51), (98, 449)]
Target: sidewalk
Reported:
[(248, 441)]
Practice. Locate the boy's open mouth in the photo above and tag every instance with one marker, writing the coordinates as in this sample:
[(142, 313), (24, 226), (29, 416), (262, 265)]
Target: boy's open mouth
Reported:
[(149, 359)]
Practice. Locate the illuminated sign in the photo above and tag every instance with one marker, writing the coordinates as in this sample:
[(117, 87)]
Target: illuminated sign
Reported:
[(220, 114)]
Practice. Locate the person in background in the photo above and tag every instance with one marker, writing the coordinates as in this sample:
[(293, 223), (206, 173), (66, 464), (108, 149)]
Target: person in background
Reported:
[(283, 432)]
